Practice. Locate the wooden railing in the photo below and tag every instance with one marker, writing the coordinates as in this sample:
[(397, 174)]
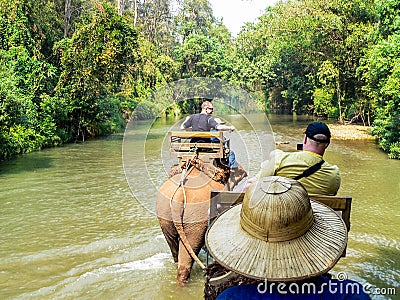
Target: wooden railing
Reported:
[(183, 147)]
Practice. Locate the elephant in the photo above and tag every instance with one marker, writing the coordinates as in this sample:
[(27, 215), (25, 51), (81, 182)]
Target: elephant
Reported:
[(183, 203)]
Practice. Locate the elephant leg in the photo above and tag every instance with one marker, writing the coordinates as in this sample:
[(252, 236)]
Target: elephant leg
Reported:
[(171, 236), (236, 176), (195, 233)]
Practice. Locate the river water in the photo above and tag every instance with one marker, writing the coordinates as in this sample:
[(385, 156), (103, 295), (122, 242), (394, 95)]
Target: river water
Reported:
[(77, 222)]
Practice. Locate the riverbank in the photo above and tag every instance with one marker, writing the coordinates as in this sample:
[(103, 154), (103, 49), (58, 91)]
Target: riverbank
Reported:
[(338, 132), (351, 132)]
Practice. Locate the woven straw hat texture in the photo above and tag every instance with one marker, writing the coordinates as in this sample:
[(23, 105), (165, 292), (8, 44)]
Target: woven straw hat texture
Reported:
[(277, 233)]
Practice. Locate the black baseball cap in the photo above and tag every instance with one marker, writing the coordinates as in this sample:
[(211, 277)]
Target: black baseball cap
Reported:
[(315, 128)]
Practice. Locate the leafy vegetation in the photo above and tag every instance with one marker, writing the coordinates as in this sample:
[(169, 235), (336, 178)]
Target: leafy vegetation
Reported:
[(71, 70)]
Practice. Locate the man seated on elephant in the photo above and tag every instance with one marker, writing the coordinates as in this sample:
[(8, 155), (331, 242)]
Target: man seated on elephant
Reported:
[(307, 166), (204, 121)]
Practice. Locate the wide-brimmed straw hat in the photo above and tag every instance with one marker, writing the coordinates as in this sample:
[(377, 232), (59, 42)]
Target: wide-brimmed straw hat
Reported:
[(277, 233)]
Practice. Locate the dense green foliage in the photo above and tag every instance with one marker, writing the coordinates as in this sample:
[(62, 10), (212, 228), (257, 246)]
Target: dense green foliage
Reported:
[(93, 63), (26, 121), (380, 70), (75, 69)]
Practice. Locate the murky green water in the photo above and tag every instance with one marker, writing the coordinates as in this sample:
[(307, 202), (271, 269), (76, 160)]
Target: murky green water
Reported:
[(70, 227)]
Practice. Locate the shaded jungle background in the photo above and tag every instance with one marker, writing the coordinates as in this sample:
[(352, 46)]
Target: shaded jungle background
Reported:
[(76, 69)]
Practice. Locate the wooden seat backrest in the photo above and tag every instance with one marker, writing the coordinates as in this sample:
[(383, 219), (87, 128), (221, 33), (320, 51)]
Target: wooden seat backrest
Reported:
[(182, 147)]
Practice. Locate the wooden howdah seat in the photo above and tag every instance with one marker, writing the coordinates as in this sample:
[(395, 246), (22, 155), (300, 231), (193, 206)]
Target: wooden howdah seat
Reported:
[(182, 145)]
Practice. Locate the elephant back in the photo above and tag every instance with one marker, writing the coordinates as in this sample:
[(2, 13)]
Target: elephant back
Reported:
[(190, 201)]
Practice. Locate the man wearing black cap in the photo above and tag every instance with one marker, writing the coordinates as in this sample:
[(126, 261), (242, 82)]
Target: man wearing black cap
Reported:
[(307, 166)]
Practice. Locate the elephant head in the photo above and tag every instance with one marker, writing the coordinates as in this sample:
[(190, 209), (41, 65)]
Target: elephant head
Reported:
[(183, 203)]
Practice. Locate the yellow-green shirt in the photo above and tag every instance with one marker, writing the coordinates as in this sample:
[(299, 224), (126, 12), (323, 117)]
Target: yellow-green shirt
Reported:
[(326, 181)]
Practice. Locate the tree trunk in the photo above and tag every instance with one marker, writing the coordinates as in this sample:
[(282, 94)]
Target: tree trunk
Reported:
[(67, 18), (338, 93), (135, 19), (121, 6)]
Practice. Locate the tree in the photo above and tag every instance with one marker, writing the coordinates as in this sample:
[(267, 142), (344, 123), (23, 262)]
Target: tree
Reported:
[(296, 40), (156, 22), (67, 17), (202, 56), (94, 61), (380, 70), (26, 117), (194, 17)]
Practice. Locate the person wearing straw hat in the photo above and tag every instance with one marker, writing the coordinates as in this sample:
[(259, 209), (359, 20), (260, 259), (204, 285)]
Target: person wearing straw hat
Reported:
[(307, 166), (285, 241)]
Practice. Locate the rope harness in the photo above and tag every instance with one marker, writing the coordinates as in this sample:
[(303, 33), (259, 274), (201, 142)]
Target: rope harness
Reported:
[(185, 172), (215, 173)]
